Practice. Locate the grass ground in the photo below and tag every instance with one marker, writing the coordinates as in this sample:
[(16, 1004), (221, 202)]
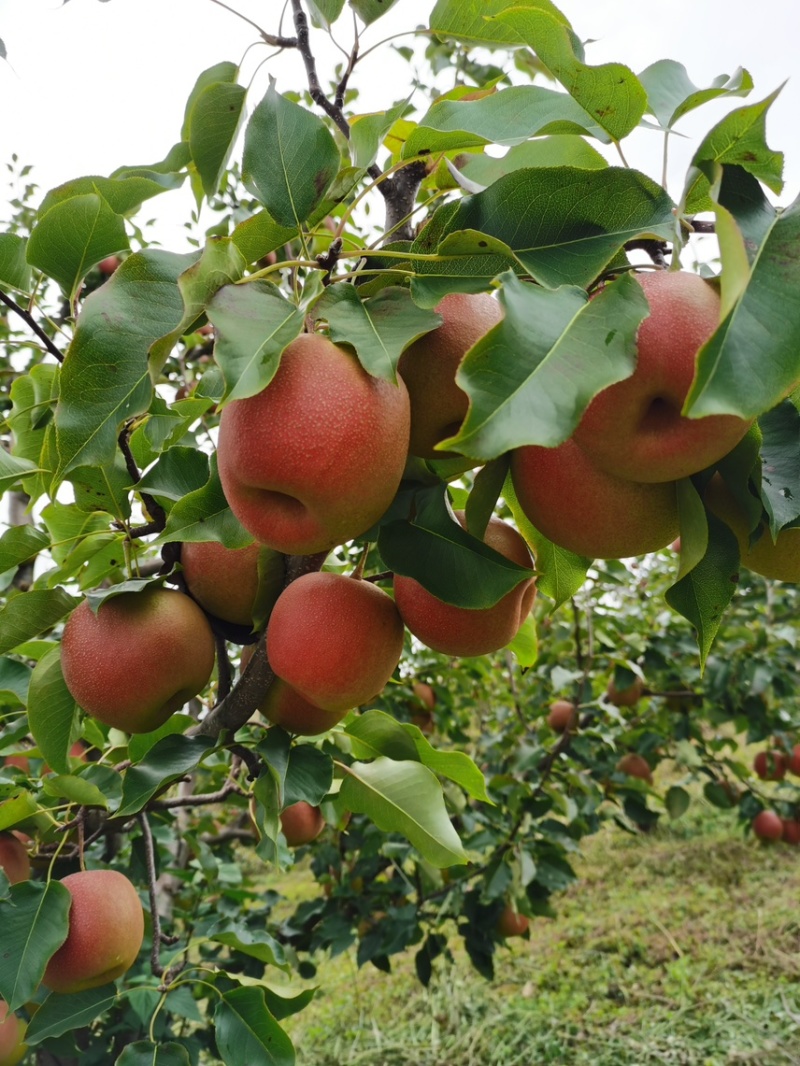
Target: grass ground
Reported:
[(680, 948)]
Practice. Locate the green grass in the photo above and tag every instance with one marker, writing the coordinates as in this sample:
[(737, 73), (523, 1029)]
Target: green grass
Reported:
[(680, 948)]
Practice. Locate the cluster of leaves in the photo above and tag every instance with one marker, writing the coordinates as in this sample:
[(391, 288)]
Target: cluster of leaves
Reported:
[(496, 795)]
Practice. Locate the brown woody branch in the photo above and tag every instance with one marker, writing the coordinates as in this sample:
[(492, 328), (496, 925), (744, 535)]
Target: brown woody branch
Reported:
[(155, 510), (33, 324)]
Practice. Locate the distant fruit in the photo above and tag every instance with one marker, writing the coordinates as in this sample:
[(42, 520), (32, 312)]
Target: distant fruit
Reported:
[(301, 823), (139, 659), (14, 860), (511, 922), (562, 716), (106, 929), (627, 696), (767, 825), (770, 765), (108, 265), (791, 831), (635, 765), (793, 764), (777, 559)]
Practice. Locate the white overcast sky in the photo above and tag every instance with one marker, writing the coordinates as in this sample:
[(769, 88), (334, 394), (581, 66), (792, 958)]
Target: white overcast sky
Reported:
[(90, 86)]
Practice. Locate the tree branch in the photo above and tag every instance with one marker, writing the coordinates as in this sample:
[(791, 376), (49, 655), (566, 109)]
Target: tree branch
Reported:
[(34, 325), (334, 111)]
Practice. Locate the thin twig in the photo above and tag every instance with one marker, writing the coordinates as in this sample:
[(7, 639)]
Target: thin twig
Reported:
[(150, 862), (315, 89), (34, 325), (197, 799), (270, 39)]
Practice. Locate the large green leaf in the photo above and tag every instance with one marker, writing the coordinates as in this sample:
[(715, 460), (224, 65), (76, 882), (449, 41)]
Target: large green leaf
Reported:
[(31, 613), (704, 593), (143, 302), (309, 774), (34, 920), (290, 158), (51, 711), (404, 797), (224, 72), (73, 236), (146, 1053), (753, 359), (509, 117), (14, 269), (325, 12), (214, 122), (19, 544), (13, 469), (254, 324), (739, 139), (122, 194), (477, 20), (611, 93), (14, 681), (256, 943), (261, 234), (204, 515), (564, 150), (379, 329), (60, 1013), (671, 94), (168, 760), (247, 1032), (176, 473), (780, 473), (531, 377), (33, 398), (367, 133), (563, 225), (370, 10), (450, 563)]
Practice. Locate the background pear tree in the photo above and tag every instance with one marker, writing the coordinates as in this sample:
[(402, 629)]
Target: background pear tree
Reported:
[(246, 631)]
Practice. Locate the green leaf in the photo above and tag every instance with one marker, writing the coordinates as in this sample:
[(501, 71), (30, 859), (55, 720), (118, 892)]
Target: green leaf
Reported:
[(738, 139), (104, 488), (14, 681), (34, 920), (376, 733), (254, 324), (73, 236), (51, 711), (122, 194), (780, 452), (75, 789), (451, 564), (290, 158), (146, 1053), (368, 131), (476, 20), (484, 495), (745, 369), (557, 151), (704, 593), (507, 117), (693, 526), (17, 809), (525, 645), (176, 473), (168, 760), (256, 943), (677, 801), (13, 469), (31, 613), (325, 12), (14, 269), (404, 797), (560, 573), (20, 544), (261, 234), (61, 1013), (564, 225), (456, 766), (224, 72), (370, 10), (214, 122), (309, 775), (33, 397), (379, 329), (611, 93), (530, 378), (166, 174), (143, 301), (247, 1032), (671, 94), (204, 515), (140, 743)]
